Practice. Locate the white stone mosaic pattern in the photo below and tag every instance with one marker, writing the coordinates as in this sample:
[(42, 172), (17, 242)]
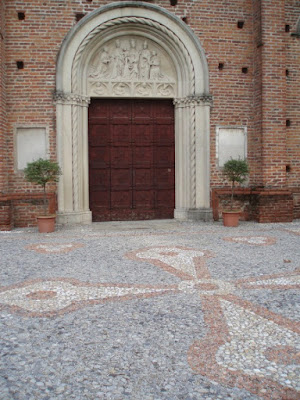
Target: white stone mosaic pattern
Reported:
[(285, 281), (252, 240), (256, 240), (54, 248), (207, 287), (180, 259), (251, 337), (62, 294), (294, 230), (259, 345)]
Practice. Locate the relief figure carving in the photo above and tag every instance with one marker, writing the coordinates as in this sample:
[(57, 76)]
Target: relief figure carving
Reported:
[(102, 69), (131, 62), (144, 89), (145, 57), (155, 73), (118, 60), (125, 64)]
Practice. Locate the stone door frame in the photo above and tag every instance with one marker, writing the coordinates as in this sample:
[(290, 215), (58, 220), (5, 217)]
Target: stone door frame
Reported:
[(192, 105)]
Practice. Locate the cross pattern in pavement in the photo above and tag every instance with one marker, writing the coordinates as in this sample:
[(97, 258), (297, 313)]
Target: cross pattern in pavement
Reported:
[(245, 346)]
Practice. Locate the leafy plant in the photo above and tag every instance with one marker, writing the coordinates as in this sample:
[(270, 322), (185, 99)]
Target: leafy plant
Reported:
[(41, 172), (235, 171)]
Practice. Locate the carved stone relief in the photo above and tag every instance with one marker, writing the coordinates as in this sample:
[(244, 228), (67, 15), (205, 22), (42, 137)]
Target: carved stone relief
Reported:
[(131, 67)]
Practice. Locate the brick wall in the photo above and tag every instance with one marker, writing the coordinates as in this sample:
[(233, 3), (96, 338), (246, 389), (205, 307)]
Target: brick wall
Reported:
[(261, 99), (256, 156), (3, 173), (293, 101), (273, 93), (276, 205), (273, 208), (224, 43), (25, 212), (296, 202), (22, 210), (5, 215), (34, 40)]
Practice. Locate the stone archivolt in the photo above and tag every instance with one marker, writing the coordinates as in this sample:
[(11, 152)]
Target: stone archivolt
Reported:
[(131, 67)]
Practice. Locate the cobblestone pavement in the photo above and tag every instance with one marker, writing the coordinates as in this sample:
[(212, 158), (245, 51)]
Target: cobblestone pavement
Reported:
[(151, 310)]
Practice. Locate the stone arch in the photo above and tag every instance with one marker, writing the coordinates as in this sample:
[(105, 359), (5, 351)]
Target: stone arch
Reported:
[(188, 87)]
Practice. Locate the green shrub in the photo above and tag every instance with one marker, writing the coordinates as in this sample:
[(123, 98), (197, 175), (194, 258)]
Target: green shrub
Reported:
[(41, 172), (235, 171)]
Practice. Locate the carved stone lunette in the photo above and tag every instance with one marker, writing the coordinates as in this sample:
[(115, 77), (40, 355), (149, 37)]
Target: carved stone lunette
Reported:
[(131, 67)]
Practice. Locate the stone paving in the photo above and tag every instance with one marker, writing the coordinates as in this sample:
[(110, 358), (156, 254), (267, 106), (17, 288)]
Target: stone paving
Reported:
[(151, 310)]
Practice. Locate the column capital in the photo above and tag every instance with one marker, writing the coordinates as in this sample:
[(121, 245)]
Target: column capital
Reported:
[(61, 97), (194, 100)]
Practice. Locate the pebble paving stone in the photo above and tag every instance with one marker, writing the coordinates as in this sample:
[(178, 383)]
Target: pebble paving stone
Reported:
[(151, 310)]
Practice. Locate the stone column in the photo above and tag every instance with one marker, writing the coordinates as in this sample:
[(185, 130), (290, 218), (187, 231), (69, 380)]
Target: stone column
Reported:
[(202, 112), (182, 158), (192, 159), (72, 133), (85, 160)]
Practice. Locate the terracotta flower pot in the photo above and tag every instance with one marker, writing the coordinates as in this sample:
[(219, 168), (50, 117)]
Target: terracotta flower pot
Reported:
[(46, 224), (231, 218)]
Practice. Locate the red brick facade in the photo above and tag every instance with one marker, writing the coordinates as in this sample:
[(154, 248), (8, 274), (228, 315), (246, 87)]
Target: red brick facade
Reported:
[(3, 177), (264, 98), (263, 205)]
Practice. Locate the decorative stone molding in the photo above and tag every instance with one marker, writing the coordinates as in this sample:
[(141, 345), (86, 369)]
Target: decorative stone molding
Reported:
[(71, 99), (131, 89), (75, 139), (151, 24), (204, 99)]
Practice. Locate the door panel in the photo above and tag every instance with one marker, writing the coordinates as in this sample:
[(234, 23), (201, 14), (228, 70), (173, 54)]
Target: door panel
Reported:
[(131, 159)]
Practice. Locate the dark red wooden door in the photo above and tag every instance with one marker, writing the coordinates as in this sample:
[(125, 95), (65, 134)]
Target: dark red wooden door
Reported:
[(131, 159)]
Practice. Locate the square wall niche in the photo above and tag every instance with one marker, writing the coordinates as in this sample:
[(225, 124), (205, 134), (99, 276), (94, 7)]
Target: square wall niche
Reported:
[(31, 143), (231, 143)]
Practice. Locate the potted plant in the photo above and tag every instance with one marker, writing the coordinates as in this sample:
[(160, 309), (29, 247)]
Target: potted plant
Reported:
[(235, 171), (41, 172)]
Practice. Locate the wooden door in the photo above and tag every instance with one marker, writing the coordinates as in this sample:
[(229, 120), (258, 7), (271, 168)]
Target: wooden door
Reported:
[(131, 159)]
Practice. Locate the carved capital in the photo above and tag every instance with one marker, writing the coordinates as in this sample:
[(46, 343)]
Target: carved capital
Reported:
[(71, 98), (203, 99)]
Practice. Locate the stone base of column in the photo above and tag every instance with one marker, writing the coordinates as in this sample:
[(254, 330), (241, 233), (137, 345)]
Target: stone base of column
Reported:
[(196, 214), (76, 217)]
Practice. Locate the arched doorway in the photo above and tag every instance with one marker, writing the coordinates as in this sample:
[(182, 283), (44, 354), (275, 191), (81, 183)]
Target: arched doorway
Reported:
[(133, 50)]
